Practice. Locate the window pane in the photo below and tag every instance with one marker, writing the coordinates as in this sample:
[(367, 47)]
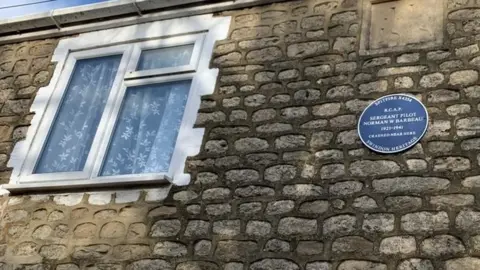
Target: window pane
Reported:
[(146, 129), (76, 122), (165, 57)]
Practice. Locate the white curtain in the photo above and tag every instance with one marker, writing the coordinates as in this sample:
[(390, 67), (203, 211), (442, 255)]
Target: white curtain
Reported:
[(76, 122), (146, 129)]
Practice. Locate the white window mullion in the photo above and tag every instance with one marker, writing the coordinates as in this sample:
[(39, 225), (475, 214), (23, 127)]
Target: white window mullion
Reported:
[(134, 54), (110, 107), (107, 134), (132, 65)]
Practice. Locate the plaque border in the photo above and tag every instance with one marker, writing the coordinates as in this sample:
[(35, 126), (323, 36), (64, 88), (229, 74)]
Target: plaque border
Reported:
[(406, 148)]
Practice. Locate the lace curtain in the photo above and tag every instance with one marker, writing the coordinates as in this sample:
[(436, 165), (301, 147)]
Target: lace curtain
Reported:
[(76, 122), (146, 129)]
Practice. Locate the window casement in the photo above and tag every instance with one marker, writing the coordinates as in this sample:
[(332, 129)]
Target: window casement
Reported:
[(121, 106)]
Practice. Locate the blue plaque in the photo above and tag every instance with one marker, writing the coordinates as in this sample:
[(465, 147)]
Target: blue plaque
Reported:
[(393, 123)]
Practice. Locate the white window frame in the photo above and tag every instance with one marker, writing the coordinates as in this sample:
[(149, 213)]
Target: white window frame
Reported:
[(202, 31)]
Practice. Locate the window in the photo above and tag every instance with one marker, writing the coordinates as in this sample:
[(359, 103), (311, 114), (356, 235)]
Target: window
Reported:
[(120, 113)]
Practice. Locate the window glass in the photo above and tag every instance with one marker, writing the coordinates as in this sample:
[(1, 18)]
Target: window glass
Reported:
[(146, 130), (70, 138), (165, 57)]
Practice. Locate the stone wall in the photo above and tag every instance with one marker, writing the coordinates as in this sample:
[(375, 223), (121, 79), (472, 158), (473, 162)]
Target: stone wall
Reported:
[(24, 68), (282, 181)]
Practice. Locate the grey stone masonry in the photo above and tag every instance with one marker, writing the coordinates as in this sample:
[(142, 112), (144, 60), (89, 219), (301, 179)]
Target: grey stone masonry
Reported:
[(282, 180)]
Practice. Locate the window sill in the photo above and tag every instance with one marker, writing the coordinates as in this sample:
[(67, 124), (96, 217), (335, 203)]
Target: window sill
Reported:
[(82, 186)]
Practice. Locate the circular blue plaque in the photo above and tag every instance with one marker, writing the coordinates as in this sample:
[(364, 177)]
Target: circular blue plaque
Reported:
[(393, 123)]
